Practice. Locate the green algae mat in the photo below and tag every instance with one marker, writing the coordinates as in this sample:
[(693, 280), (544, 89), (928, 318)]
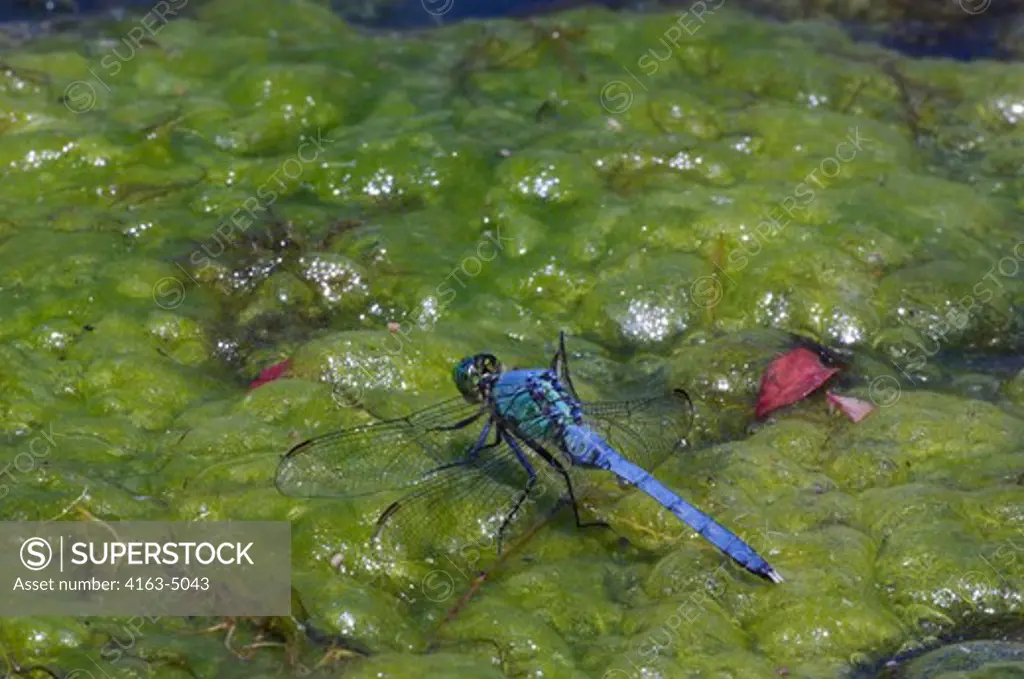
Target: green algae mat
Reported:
[(197, 194)]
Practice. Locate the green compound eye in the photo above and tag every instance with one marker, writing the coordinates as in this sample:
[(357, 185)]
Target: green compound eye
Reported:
[(469, 371)]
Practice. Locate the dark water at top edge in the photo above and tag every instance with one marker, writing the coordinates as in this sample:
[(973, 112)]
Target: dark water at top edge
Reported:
[(976, 39)]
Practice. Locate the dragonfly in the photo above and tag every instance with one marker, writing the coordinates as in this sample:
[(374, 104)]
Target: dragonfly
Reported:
[(525, 420)]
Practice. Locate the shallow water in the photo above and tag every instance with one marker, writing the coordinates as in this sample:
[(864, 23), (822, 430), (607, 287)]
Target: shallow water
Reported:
[(675, 209)]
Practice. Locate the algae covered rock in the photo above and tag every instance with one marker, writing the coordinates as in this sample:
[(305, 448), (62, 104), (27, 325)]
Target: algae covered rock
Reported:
[(680, 200), (971, 660)]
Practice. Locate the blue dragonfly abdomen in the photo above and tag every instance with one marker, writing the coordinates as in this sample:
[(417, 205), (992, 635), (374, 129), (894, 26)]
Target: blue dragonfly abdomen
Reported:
[(588, 449)]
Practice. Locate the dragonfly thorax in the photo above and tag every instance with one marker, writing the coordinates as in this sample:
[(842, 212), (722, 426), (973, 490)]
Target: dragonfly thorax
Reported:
[(475, 375)]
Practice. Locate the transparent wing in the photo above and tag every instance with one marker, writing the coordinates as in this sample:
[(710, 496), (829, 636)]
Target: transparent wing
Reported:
[(380, 456), (644, 430), (458, 511)]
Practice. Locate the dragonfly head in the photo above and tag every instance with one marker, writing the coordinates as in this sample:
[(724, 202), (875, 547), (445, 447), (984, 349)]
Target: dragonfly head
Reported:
[(473, 376)]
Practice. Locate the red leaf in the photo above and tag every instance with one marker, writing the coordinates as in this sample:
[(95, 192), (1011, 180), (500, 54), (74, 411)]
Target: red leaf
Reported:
[(789, 378), (272, 373), (854, 408)]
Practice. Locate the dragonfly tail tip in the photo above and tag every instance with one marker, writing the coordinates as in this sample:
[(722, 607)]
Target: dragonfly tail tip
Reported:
[(774, 576)]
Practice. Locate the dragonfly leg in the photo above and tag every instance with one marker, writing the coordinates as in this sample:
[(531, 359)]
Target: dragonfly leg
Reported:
[(471, 455), (475, 449), (523, 460), (560, 365), (560, 468)]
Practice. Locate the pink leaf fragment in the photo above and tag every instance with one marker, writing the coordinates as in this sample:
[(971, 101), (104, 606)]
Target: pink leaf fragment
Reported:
[(854, 408)]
